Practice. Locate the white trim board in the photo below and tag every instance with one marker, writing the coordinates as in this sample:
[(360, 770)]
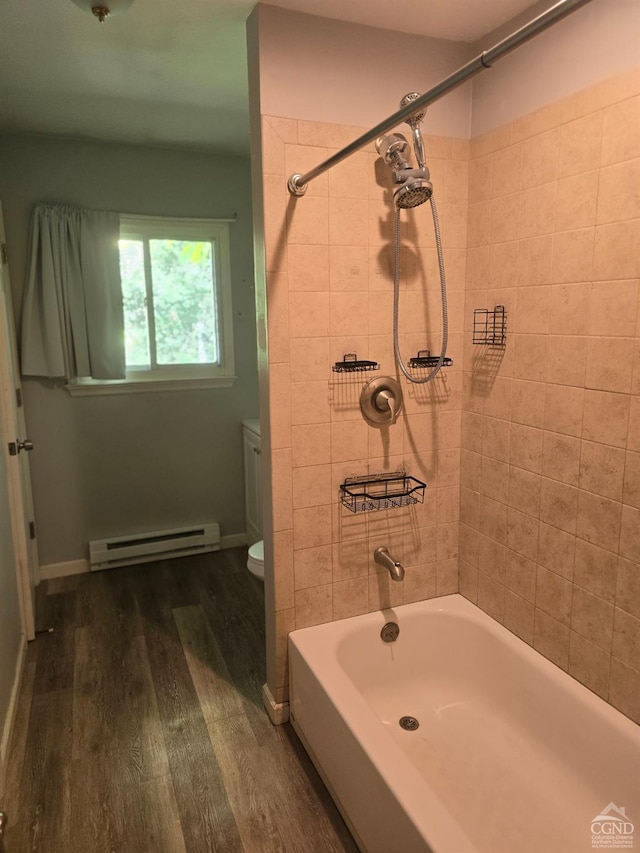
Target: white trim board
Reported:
[(10, 719), (78, 567)]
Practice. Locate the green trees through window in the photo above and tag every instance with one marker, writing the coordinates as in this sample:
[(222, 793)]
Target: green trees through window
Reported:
[(169, 303)]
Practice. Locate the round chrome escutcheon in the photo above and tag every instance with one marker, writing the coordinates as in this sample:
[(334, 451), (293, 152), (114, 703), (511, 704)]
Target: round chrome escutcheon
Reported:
[(409, 724)]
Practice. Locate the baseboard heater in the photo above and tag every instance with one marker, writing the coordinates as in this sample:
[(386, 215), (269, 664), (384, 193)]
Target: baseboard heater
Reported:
[(158, 545)]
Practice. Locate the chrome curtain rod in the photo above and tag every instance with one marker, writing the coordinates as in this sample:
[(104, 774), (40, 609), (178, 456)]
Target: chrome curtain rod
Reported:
[(297, 184)]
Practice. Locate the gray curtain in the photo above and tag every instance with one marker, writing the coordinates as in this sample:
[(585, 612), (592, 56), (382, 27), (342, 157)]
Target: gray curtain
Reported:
[(72, 317)]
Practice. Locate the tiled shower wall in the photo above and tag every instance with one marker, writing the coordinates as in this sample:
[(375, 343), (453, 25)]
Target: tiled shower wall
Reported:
[(550, 463), (329, 289)]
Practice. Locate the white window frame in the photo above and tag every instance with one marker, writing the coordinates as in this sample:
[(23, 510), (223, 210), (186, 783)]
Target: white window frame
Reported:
[(183, 376)]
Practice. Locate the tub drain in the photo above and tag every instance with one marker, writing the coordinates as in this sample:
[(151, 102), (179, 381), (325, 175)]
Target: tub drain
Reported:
[(410, 724)]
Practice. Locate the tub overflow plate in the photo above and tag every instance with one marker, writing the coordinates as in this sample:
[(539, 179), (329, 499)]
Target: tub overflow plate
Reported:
[(409, 724), (389, 632)]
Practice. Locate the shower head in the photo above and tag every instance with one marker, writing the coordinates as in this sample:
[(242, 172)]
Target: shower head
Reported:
[(414, 122), (413, 192), (415, 118), (413, 185)]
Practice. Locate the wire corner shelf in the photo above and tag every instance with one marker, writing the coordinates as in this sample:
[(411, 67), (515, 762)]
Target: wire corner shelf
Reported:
[(352, 364), (373, 492), (490, 327)]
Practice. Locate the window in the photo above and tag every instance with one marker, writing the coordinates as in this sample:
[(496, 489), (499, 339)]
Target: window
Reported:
[(176, 292)]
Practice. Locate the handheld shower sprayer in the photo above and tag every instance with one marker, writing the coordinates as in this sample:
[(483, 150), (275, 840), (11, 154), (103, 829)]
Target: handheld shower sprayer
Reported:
[(414, 186)]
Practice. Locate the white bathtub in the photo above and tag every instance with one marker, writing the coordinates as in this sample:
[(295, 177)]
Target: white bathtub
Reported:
[(511, 754)]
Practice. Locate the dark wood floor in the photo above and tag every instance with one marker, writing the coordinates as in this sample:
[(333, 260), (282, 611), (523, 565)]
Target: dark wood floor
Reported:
[(140, 726)]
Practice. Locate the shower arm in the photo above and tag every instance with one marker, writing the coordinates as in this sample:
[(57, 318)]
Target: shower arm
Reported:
[(297, 184)]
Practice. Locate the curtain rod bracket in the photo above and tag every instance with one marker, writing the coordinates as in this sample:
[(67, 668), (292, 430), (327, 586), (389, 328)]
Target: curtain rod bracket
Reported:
[(296, 188)]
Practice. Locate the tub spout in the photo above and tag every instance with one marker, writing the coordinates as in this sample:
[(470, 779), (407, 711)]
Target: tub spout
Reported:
[(384, 558)]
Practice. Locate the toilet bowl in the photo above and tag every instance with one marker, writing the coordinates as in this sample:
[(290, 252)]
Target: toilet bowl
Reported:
[(255, 561)]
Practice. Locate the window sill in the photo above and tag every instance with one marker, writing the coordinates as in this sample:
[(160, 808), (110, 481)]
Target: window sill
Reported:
[(96, 388)]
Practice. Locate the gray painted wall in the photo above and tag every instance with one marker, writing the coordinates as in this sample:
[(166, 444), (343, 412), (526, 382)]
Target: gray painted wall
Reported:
[(124, 464)]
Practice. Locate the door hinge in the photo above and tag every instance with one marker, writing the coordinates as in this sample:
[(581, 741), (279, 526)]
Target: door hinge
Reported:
[(13, 448), (3, 251), (19, 397), (32, 530)]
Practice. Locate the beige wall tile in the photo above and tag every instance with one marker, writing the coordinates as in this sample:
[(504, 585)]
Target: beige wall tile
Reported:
[(563, 409), (283, 577), (540, 158), (626, 639), (493, 520), (596, 570), (312, 567), (628, 586), (309, 315), (309, 403), (383, 592), (535, 256), (559, 504), (311, 527), (494, 479), (553, 595), (350, 597), (446, 577), (611, 429), (527, 402), (592, 618), (492, 559), (308, 221), (611, 256), (566, 361), (312, 486), (613, 308), (621, 131), (525, 448), (519, 616), (580, 143), (575, 202), (314, 605), (521, 575), (468, 581), (610, 364), (619, 192), (561, 458), (300, 159), (350, 559), (348, 268), (589, 664), (491, 596), (630, 533), (537, 211), (556, 550), (522, 533), (599, 520), (524, 491), (309, 359), (308, 267), (281, 487), (624, 689), (569, 309), (420, 582), (310, 444), (551, 638), (631, 495), (602, 469), (633, 433), (572, 254)]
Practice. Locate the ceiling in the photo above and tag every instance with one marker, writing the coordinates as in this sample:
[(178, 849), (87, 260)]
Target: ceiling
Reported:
[(173, 73)]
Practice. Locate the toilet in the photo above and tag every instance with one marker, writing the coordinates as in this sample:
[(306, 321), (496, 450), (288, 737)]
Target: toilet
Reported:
[(255, 562)]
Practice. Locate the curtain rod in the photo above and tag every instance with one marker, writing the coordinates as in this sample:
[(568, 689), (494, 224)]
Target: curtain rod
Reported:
[(297, 184)]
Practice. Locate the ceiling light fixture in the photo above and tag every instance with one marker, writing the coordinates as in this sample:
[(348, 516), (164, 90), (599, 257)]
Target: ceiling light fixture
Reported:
[(103, 9)]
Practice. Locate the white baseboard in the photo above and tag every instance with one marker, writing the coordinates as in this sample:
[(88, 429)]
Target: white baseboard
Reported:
[(78, 567), (60, 570), (278, 711), (7, 729)]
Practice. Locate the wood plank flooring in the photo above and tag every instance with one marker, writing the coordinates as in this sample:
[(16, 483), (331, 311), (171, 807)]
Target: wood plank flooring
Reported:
[(140, 726)]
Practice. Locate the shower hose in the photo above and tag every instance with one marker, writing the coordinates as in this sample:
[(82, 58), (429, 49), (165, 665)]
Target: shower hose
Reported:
[(396, 300)]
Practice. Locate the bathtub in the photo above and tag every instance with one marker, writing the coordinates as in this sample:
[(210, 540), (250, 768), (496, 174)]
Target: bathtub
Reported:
[(511, 755)]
